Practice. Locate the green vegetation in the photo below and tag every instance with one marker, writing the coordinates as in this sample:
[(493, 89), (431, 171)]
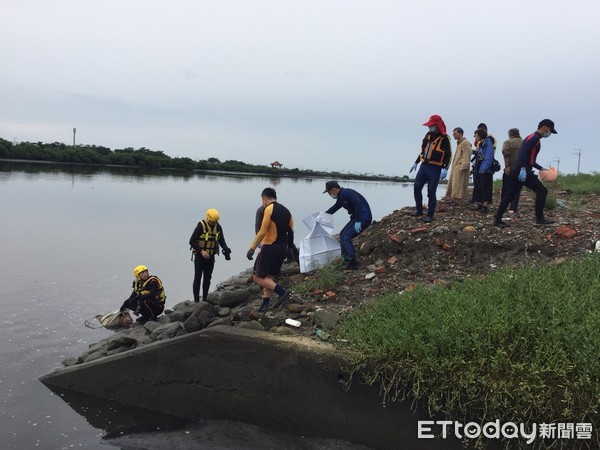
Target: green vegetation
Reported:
[(151, 159), (324, 279), (584, 183), (520, 346)]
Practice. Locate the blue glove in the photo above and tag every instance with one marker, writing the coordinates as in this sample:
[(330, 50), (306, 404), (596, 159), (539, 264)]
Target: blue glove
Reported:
[(414, 167), (250, 253), (357, 227), (522, 175), (443, 173)]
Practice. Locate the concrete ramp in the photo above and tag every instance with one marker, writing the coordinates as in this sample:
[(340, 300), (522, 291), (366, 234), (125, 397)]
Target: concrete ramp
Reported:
[(284, 383)]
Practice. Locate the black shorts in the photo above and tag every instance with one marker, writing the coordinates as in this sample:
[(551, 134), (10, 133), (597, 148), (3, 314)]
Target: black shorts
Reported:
[(269, 260)]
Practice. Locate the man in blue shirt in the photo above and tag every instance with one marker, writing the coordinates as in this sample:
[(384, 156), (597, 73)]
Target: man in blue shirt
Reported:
[(522, 175), (360, 218)]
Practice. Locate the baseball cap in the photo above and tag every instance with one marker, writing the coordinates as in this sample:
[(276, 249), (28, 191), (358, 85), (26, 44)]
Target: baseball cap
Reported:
[(330, 185), (548, 123), (433, 120)]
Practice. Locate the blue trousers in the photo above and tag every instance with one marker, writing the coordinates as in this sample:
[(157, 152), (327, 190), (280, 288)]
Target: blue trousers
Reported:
[(346, 235), (428, 174), (514, 189)]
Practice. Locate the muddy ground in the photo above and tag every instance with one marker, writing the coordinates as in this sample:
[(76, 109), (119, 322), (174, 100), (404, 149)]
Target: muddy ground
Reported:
[(400, 251)]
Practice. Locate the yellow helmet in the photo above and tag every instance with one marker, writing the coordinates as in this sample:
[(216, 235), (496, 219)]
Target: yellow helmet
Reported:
[(138, 270), (212, 214)]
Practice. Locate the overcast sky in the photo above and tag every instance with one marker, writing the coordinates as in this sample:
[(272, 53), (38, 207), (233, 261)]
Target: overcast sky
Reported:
[(325, 84)]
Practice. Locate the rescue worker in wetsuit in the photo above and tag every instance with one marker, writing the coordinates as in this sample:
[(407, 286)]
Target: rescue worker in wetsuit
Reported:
[(148, 296), (205, 242), (276, 234), (434, 158), (360, 218)]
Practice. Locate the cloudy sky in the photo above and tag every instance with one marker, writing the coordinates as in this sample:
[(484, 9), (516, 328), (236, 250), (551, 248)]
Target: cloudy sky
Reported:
[(326, 84)]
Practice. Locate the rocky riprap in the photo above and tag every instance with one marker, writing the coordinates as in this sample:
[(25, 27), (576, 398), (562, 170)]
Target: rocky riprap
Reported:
[(396, 254)]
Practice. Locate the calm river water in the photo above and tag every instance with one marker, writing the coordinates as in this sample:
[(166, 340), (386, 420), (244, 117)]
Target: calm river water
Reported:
[(70, 238)]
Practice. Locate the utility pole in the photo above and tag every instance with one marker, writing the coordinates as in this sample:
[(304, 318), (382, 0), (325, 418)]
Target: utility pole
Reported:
[(557, 164), (74, 131), (577, 151)]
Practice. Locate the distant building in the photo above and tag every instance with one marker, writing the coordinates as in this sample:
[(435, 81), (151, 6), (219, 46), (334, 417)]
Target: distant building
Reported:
[(277, 165)]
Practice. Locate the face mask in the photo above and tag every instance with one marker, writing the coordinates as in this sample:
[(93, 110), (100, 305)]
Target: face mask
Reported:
[(546, 134), (433, 128), (332, 195)]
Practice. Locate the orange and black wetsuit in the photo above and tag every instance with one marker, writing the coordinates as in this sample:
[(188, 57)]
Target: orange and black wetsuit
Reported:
[(276, 235)]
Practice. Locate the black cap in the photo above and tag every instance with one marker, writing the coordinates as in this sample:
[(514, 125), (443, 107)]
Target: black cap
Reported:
[(330, 185), (548, 123)]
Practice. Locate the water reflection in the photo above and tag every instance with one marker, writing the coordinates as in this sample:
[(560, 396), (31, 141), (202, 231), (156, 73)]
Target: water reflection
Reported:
[(115, 418), (126, 426), (71, 236)]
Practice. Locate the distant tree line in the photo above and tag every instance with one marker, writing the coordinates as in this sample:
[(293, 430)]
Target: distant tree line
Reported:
[(145, 159)]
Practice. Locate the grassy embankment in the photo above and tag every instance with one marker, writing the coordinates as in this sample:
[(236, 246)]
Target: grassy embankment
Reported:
[(520, 346)]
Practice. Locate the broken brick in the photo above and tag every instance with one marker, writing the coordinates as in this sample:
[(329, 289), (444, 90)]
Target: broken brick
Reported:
[(565, 232)]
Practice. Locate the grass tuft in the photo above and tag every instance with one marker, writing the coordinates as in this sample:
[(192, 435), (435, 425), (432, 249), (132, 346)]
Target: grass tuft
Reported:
[(520, 346)]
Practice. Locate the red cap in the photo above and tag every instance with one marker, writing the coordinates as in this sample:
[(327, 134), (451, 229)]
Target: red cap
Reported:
[(436, 120)]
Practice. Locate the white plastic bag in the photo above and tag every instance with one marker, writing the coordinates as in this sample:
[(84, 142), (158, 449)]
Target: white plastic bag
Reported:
[(319, 248)]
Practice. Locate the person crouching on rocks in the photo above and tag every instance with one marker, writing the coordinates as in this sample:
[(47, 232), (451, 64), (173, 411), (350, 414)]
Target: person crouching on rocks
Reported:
[(205, 241), (148, 296), (360, 218)]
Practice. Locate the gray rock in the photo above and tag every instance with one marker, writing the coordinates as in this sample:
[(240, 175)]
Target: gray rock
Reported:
[(252, 325), (204, 318), (165, 331), (269, 322), (181, 332), (192, 324), (254, 289), (151, 326), (70, 362), (202, 307), (144, 339), (282, 330), (164, 319), (100, 347), (94, 356), (223, 321), (325, 318), (119, 340), (234, 298), (118, 350), (181, 311), (224, 312), (213, 298)]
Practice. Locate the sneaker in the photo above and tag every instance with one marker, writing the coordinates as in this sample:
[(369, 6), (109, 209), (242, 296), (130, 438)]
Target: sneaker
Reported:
[(264, 306), (351, 265), (428, 219), (483, 210), (283, 297), (500, 224), (544, 222), (417, 214)]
